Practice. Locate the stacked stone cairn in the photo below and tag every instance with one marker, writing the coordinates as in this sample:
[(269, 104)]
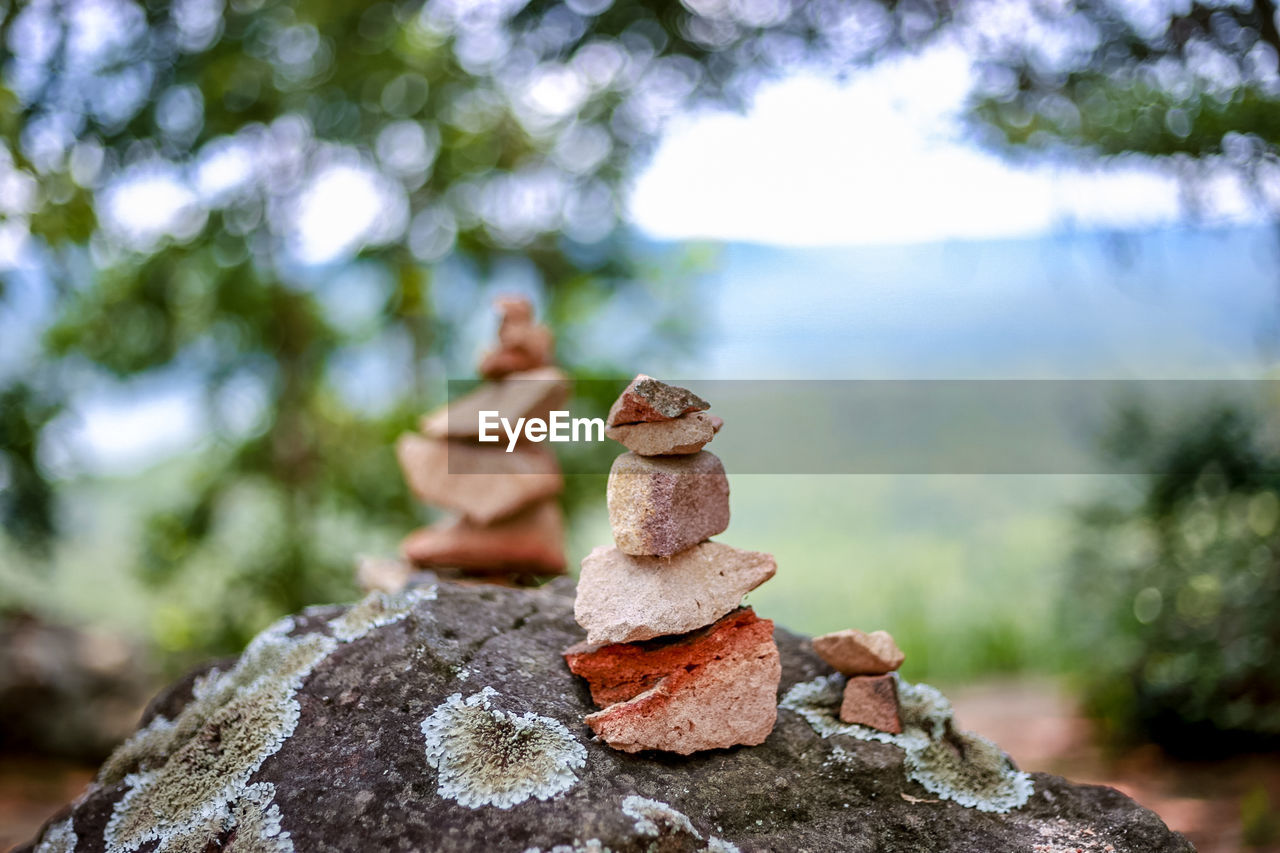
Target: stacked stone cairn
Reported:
[(869, 660), (672, 659), (505, 524)]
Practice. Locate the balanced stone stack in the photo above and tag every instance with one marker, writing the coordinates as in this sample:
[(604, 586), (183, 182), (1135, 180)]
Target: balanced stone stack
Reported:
[(506, 525), (869, 660), (673, 660)]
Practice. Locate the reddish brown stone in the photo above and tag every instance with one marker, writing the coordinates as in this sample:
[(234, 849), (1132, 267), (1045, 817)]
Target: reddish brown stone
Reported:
[(529, 541), (483, 482), (853, 652), (711, 689), (661, 505), (619, 671), (646, 399), (872, 700), (532, 394), (522, 343)]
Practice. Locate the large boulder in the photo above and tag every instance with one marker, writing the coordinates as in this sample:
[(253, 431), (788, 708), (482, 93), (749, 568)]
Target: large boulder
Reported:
[(444, 718)]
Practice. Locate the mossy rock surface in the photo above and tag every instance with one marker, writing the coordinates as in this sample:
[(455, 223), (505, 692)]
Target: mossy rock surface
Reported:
[(445, 719)]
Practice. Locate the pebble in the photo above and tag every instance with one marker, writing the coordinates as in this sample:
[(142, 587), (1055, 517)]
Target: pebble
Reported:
[(483, 482), (530, 541), (659, 506), (646, 399), (872, 700), (681, 436), (852, 652)]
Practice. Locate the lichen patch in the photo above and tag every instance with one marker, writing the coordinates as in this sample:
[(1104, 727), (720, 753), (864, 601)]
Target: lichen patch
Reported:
[(58, 838), (378, 609), (654, 818), (487, 756), (957, 766), (187, 779)]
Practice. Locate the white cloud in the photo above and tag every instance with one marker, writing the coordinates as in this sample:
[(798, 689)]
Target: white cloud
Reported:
[(881, 158)]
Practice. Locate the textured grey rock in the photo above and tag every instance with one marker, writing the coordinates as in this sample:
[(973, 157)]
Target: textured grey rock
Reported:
[(388, 727)]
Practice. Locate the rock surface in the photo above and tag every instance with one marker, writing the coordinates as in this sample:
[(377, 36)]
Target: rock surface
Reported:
[(529, 541), (852, 652), (648, 399), (622, 598), (872, 700), (482, 482), (678, 437), (659, 506), (397, 711)]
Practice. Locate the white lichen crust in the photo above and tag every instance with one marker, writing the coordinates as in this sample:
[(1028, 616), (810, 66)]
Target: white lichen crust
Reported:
[(652, 819), (187, 779), (58, 838), (958, 766), (485, 756)]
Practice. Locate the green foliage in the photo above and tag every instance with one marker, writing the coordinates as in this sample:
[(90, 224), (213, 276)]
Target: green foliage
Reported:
[(27, 504), (1189, 84), (1174, 594), (497, 137)]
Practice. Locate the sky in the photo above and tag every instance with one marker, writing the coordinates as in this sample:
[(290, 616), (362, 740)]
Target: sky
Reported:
[(881, 158)]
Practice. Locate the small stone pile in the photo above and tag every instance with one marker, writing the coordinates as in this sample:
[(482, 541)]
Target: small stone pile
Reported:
[(869, 660), (671, 658), (507, 525)]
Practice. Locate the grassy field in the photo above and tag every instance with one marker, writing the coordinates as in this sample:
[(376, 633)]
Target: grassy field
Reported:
[(966, 571)]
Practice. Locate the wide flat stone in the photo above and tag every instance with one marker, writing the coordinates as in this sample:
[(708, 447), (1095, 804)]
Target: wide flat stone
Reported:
[(483, 482), (531, 541), (622, 598), (872, 700), (661, 505), (853, 652), (681, 436), (530, 394), (723, 695), (646, 399)]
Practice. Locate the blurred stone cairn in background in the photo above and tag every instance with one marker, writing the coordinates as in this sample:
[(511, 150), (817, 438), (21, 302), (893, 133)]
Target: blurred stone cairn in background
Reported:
[(507, 526), (672, 659)]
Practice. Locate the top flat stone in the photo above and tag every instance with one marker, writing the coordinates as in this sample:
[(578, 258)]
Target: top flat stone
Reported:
[(853, 652), (622, 598), (646, 400), (522, 343)]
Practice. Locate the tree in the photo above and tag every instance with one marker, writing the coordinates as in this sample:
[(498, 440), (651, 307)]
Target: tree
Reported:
[(169, 154), (1190, 86)]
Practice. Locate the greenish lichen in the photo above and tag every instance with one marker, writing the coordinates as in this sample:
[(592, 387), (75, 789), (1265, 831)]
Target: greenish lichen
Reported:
[(60, 837), (957, 766), (487, 756), (378, 609), (187, 779)]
